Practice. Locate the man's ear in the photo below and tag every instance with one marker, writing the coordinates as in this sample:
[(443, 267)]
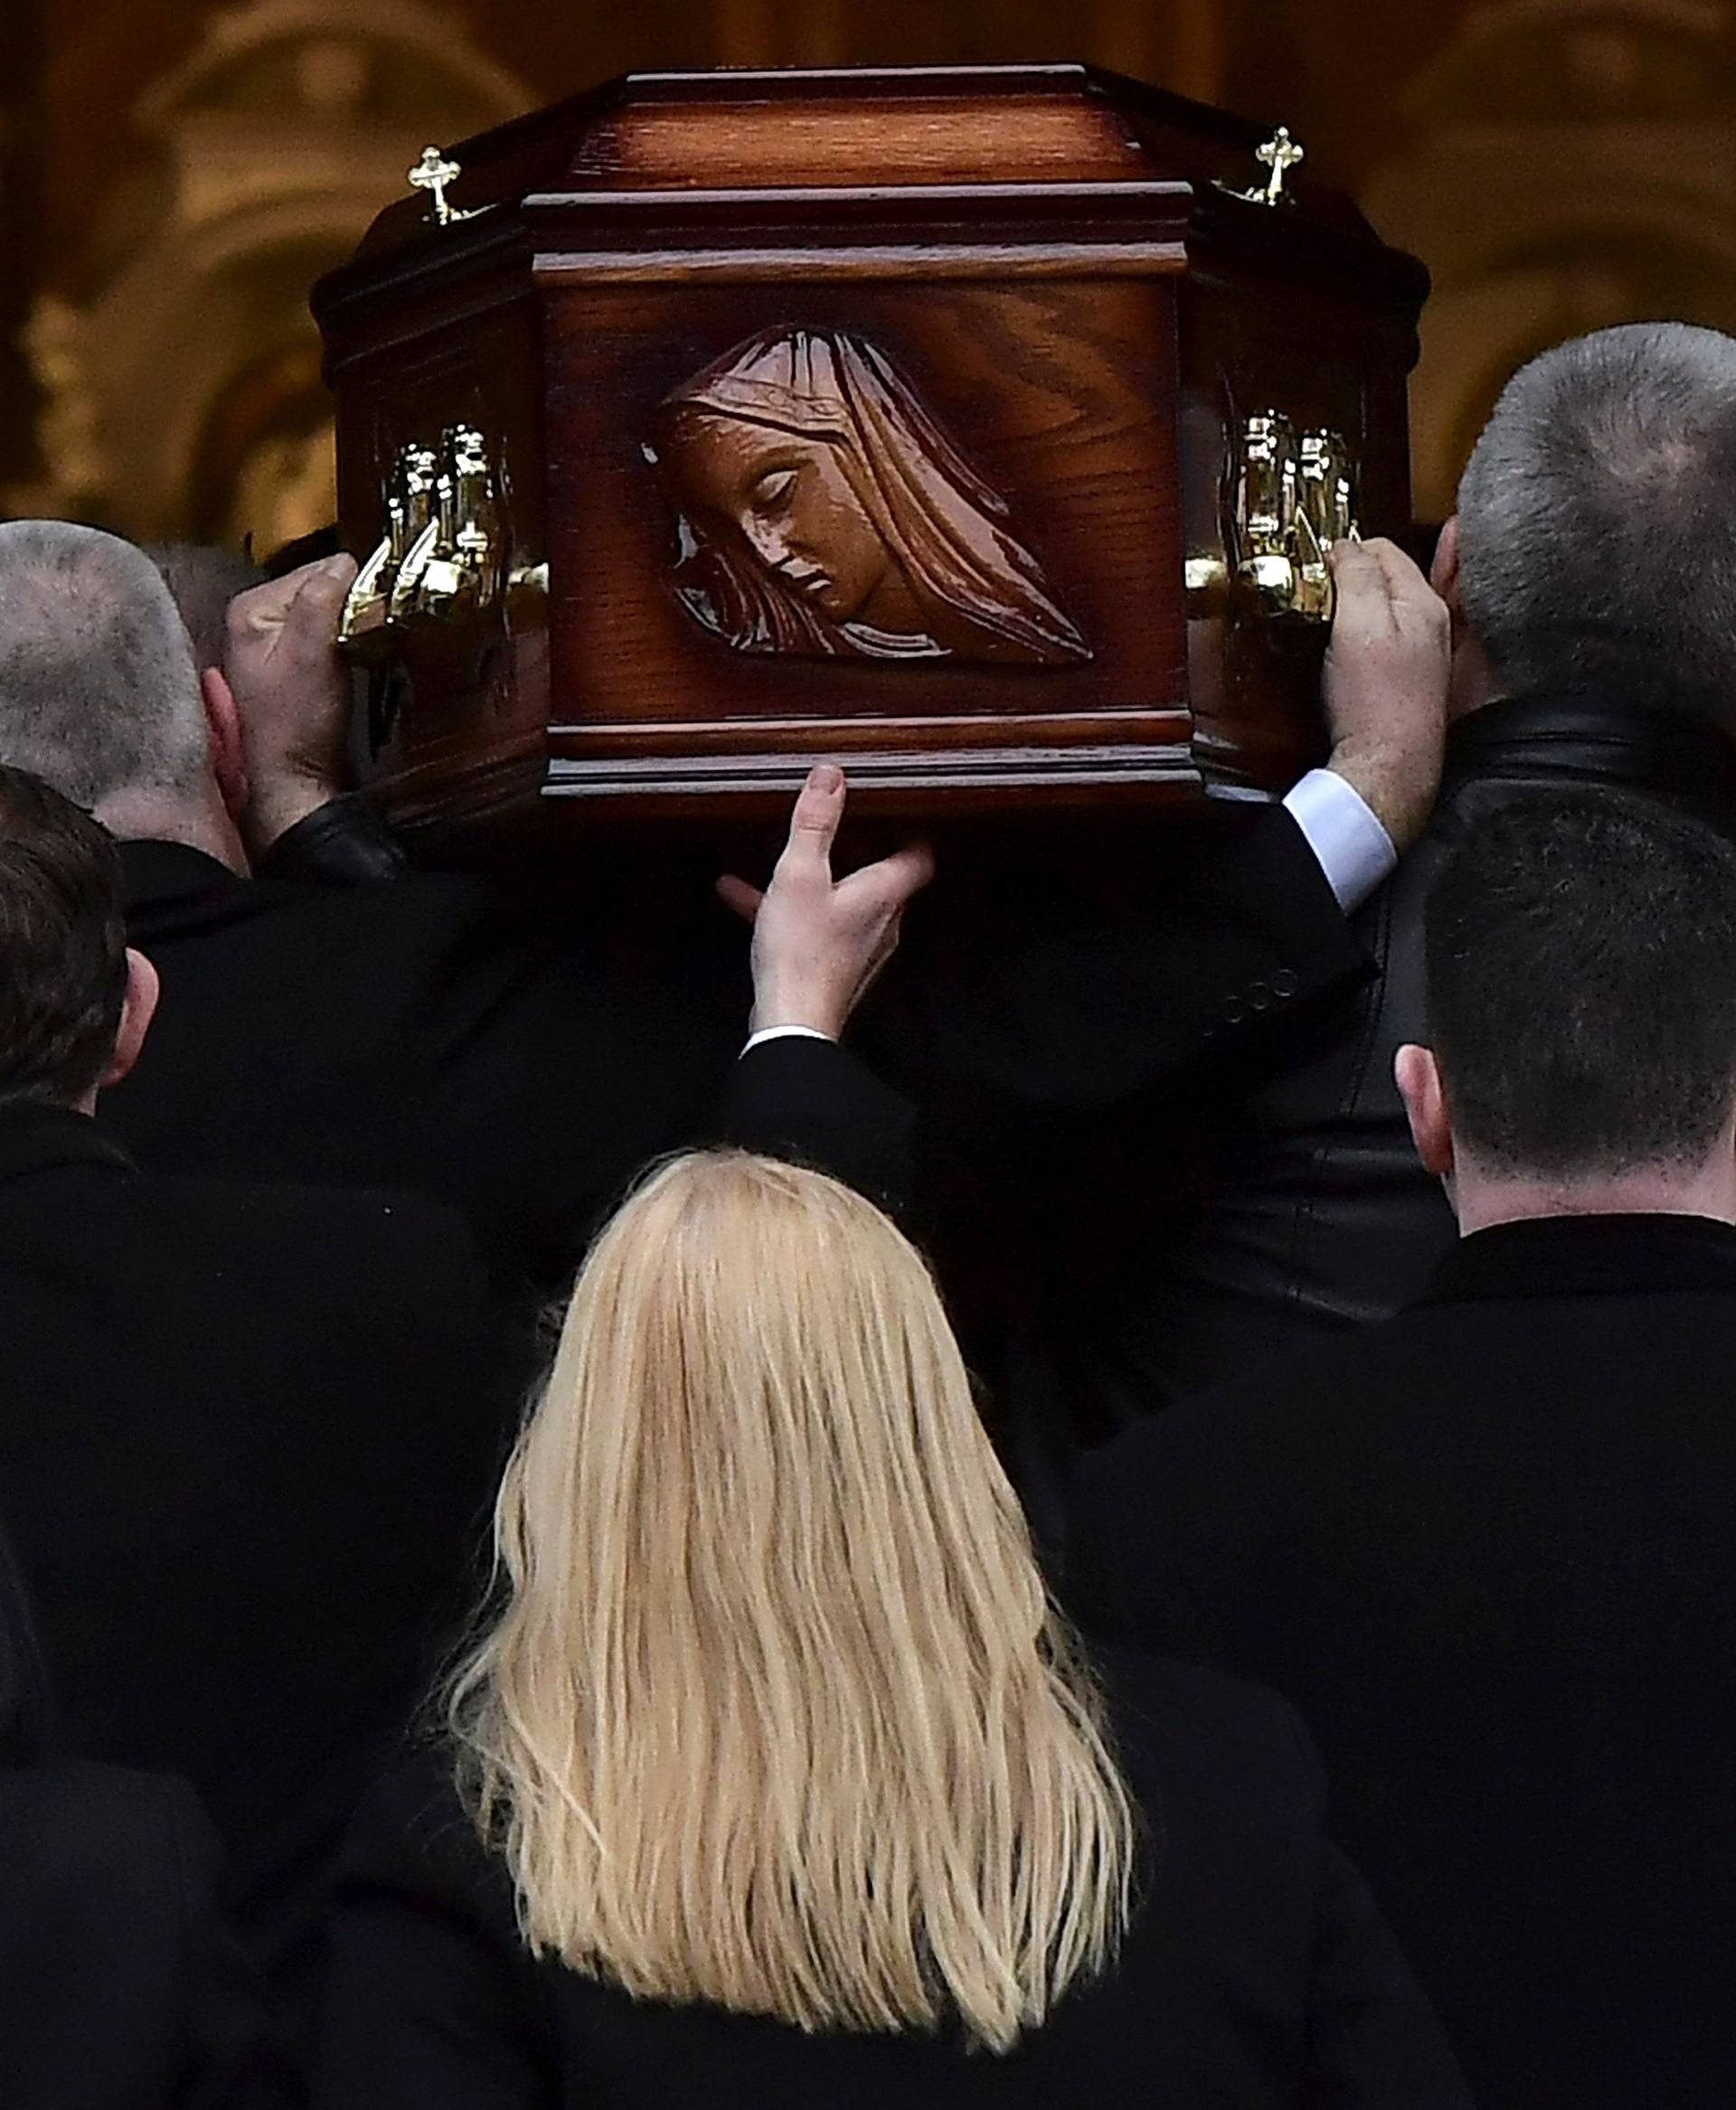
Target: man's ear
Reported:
[(228, 759), (1417, 1077), (1443, 573), (138, 1008)]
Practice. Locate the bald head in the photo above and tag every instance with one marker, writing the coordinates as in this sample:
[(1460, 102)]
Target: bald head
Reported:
[(1596, 522), (99, 692)]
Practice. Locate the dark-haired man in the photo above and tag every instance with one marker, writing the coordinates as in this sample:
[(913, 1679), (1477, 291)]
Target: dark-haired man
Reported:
[(247, 1434), (1592, 574), (1486, 1546)]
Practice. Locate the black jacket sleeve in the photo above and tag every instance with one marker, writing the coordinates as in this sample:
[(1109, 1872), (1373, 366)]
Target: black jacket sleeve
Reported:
[(343, 843), (1072, 991), (231, 2061), (430, 2002), (1372, 2038), (1167, 1547), (1054, 997), (808, 1099), (422, 2012)]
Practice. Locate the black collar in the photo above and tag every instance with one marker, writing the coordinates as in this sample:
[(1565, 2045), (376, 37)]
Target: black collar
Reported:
[(1588, 1256), (1594, 739), (153, 872), (35, 1139)]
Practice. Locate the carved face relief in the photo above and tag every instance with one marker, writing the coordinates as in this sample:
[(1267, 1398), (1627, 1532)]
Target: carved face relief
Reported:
[(789, 501), (823, 510)]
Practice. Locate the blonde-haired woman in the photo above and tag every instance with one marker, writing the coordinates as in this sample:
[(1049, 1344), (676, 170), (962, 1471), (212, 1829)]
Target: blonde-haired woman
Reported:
[(776, 1779)]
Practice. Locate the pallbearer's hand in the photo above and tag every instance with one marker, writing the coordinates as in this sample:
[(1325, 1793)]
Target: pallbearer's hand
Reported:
[(819, 942), (1386, 677), (292, 694)]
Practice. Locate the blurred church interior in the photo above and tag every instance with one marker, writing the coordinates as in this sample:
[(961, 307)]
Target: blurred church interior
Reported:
[(174, 175)]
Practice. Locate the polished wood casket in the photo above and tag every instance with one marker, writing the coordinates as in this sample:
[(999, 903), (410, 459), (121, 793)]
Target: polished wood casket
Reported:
[(984, 429)]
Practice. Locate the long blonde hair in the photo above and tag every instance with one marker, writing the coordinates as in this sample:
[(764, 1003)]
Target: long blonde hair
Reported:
[(778, 1715)]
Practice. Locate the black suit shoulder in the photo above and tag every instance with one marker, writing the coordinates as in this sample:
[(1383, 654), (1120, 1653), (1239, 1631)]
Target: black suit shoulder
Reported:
[(405, 1268), (173, 894), (279, 1213), (800, 1096), (1483, 1547), (1263, 1418), (92, 1836), (119, 1980), (1180, 1720), (283, 1413), (355, 1284), (521, 1057), (1169, 1525), (97, 1194)]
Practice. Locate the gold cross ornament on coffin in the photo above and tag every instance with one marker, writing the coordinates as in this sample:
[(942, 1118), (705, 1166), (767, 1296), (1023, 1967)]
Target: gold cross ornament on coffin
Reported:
[(433, 173), (1280, 153)]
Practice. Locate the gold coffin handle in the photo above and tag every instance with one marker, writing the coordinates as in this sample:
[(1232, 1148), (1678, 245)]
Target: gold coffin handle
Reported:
[(1294, 497), (443, 556), (462, 573), (408, 505)]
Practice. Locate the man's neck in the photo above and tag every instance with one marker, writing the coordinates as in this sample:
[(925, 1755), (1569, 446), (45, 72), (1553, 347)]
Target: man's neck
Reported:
[(1482, 1200), (1472, 682), (154, 816)]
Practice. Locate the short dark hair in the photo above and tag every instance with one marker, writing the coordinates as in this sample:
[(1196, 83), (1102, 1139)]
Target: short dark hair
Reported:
[(1597, 539), (62, 944), (1581, 971)]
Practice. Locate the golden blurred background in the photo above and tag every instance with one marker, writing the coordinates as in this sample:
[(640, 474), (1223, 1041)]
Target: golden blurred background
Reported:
[(174, 175)]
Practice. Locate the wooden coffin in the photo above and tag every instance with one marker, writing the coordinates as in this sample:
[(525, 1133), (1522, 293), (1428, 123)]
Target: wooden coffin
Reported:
[(980, 429)]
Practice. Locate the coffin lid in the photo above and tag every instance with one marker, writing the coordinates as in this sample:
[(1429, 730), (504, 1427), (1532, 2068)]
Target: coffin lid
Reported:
[(685, 136)]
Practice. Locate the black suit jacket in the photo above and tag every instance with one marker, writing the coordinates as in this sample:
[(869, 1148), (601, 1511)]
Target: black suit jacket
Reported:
[(121, 1987), (519, 1059), (247, 1442), (1258, 1972), (1070, 971), (1058, 997), (1303, 1209), (1485, 1548), (522, 1055)]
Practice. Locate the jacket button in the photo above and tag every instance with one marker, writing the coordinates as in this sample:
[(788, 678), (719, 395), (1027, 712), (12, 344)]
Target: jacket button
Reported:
[(1260, 995), (1284, 983), (1234, 1010)]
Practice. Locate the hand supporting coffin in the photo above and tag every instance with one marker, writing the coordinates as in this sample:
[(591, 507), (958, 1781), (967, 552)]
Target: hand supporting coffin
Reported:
[(818, 943), (1385, 684), (290, 697)]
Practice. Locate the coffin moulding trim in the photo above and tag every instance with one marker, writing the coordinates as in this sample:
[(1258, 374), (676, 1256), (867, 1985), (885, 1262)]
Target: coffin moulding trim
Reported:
[(1081, 259)]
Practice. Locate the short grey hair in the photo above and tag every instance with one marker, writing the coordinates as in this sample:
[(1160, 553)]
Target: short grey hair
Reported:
[(98, 692), (1598, 521)]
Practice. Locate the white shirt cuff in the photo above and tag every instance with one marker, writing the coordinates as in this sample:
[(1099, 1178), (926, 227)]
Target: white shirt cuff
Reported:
[(810, 1032), (1353, 849)]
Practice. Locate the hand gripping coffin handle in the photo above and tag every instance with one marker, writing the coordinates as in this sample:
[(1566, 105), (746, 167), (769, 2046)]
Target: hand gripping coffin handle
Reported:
[(1293, 498)]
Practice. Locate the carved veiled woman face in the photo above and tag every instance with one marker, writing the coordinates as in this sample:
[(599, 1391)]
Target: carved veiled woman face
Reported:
[(821, 509), (789, 500)]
